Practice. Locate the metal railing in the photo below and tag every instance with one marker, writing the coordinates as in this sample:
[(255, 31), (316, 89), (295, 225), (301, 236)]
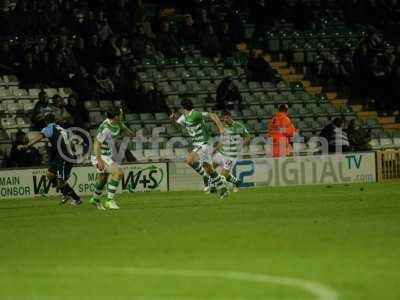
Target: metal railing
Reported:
[(388, 164)]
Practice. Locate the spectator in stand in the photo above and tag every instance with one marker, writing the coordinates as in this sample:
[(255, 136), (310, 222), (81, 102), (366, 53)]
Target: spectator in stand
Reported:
[(77, 111), (358, 136), (40, 110), (188, 32), (103, 86), (280, 130), (93, 50), (257, 68), (111, 52), (155, 100), (103, 28), (135, 96), (83, 84), (202, 19), (209, 42), (227, 40), (336, 136), (26, 157), (59, 109), (146, 25), (376, 84), (227, 94), (167, 42)]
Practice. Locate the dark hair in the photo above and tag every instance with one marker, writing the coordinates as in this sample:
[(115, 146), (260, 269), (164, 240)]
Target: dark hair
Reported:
[(20, 133), (50, 118), (187, 104), (227, 113), (283, 108), (41, 94), (113, 112), (338, 122)]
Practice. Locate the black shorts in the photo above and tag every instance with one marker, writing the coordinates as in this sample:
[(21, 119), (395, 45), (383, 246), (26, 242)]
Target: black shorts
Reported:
[(60, 167)]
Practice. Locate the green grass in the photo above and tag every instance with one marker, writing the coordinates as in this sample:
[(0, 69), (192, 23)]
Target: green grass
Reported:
[(340, 236)]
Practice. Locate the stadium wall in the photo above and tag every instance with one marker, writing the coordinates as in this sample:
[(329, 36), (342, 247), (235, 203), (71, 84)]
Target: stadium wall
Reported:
[(177, 176), (298, 170)]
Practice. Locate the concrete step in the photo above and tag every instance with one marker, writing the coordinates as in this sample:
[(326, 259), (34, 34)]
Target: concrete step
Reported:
[(286, 71), (393, 126), (314, 90), (363, 115), (339, 102), (293, 77), (357, 107), (331, 95), (387, 120), (278, 64)]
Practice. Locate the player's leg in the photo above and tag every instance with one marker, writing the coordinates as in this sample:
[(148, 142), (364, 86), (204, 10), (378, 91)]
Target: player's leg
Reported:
[(227, 165), (194, 162), (205, 155), (116, 176), (217, 162), (101, 181), (63, 174)]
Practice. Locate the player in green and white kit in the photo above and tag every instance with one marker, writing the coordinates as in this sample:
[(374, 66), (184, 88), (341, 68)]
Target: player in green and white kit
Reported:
[(110, 129), (235, 135), (200, 159)]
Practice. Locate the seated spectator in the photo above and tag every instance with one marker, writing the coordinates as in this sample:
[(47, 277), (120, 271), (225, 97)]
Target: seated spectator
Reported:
[(82, 84), (209, 42), (227, 94), (40, 110), (103, 28), (257, 68), (77, 111), (187, 31), (155, 100), (140, 42), (359, 137), (336, 136), (111, 52), (227, 40), (103, 86), (280, 130), (135, 97), (167, 42), (59, 109), (23, 158)]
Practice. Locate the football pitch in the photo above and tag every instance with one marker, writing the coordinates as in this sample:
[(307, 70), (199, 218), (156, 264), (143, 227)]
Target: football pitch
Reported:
[(297, 243)]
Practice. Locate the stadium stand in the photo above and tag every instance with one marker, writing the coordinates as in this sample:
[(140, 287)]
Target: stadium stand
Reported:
[(308, 59)]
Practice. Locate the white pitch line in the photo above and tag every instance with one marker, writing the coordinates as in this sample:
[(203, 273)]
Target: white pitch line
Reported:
[(318, 290)]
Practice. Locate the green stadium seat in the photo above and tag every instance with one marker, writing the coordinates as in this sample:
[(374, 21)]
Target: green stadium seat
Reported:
[(106, 104)]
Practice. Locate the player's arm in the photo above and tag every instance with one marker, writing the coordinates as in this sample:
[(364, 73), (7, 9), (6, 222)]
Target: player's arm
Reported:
[(32, 142), (245, 136), (176, 122), (127, 131), (217, 122), (216, 147)]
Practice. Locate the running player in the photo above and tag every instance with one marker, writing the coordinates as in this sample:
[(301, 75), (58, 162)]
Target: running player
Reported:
[(103, 158), (60, 159), (200, 159), (235, 135)]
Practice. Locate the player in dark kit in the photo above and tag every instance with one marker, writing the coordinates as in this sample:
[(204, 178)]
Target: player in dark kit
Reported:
[(61, 158)]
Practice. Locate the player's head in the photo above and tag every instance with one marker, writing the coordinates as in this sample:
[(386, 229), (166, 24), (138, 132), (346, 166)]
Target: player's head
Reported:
[(227, 117), (283, 108), (338, 122), (186, 104), (43, 97), (114, 114)]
